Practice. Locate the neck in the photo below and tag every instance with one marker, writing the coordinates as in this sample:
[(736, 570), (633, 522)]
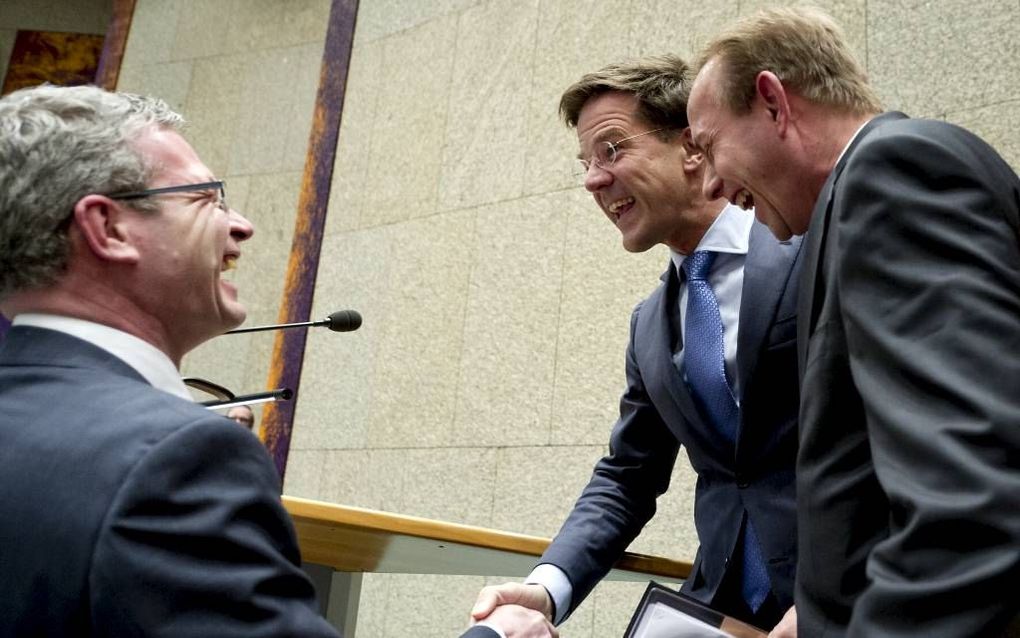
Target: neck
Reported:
[(700, 216), (89, 300)]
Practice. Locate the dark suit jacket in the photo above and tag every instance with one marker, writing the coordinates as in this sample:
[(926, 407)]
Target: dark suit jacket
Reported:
[(479, 632), (658, 415), (129, 512), (909, 468)]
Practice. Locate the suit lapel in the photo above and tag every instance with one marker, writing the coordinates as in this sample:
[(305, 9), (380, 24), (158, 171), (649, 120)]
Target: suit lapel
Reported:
[(766, 275), (814, 245)]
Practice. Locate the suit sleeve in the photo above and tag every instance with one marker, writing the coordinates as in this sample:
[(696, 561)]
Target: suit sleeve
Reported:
[(197, 543), (620, 497), (929, 277)]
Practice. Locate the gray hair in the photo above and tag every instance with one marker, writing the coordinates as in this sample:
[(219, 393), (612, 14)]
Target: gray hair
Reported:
[(57, 145)]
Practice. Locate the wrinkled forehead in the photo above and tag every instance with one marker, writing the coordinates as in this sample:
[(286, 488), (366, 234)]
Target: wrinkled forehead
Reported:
[(704, 104)]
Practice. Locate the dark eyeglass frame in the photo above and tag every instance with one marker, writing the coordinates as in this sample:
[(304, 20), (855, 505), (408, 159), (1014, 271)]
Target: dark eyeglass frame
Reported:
[(218, 185)]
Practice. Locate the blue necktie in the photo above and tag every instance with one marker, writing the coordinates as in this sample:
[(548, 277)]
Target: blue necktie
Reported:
[(705, 365)]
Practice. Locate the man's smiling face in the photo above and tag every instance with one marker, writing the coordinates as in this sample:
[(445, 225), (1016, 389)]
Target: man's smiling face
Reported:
[(645, 192), (747, 159)]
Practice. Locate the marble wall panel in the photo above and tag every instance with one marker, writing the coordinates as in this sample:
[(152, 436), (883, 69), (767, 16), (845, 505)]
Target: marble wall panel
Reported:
[(509, 341), (930, 58), (574, 38), (483, 160), (349, 192), (409, 123), (414, 381)]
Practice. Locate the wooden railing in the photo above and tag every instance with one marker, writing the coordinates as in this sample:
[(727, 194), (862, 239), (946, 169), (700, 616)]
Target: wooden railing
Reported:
[(339, 543)]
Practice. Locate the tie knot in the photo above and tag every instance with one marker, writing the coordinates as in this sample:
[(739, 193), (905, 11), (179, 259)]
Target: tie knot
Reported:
[(696, 266)]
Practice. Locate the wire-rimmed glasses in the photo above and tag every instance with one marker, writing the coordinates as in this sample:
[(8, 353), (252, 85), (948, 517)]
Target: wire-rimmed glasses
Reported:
[(605, 155)]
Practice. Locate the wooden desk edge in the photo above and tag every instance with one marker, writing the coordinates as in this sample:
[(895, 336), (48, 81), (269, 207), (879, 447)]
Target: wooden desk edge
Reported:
[(305, 511)]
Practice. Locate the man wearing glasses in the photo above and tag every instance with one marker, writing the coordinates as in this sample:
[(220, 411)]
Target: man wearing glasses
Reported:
[(711, 364), (128, 510)]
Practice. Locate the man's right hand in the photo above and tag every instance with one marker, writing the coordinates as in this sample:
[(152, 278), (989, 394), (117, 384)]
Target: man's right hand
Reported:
[(519, 622), (530, 596)]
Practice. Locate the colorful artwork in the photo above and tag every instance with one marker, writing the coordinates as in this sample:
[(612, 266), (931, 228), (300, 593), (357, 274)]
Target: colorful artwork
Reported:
[(65, 59)]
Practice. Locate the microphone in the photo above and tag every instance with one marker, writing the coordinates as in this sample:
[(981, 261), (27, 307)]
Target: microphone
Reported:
[(281, 394), (339, 321)]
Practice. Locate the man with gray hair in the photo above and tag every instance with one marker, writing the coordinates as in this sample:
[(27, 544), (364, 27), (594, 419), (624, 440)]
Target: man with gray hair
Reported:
[(908, 477), (128, 509)]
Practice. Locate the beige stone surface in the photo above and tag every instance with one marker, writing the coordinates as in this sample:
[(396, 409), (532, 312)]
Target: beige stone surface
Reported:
[(409, 124), (997, 124), (956, 56), (381, 18), (680, 27), (509, 340), (414, 380), (536, 486), (305, 476), (274, 118), (269, 24), (349, 192), (166, 80), (153, 32), (483, 159)]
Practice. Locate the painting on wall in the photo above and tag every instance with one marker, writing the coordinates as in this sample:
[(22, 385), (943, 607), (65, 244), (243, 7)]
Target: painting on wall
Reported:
[(64, 59)]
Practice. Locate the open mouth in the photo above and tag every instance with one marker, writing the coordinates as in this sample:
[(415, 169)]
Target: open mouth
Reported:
[(229, 263), (620, 206), (744, 200)]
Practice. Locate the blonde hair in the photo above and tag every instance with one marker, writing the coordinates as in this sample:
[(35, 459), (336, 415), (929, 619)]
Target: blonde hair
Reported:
[(806, 50)]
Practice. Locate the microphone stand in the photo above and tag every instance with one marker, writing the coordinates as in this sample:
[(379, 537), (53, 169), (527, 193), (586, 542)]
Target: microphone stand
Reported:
[(280, 394)]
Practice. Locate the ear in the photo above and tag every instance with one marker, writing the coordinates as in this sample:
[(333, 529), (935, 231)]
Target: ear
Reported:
[(693, 155), (105, 225), (772, 94)]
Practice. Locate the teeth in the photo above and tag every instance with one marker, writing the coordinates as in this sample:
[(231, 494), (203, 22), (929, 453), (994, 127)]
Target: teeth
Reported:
[(229, 263), (620, 203), (744, 200)]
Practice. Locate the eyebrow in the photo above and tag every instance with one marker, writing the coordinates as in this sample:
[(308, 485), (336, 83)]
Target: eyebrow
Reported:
[(604, 136)]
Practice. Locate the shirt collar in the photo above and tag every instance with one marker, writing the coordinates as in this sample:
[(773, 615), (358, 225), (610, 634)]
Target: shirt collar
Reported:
[(148, 360), (851, 141), (729, 233)]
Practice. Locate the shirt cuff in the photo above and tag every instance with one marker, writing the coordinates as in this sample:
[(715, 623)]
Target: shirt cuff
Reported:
[(491, 626), (557, 584)]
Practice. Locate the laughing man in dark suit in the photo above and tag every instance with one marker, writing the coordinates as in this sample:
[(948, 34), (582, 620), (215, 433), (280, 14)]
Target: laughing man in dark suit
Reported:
[(909, 470), (711, 364), (128, 509)]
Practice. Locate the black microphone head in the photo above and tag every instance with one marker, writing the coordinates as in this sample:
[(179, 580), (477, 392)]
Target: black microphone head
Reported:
[(344, 321)]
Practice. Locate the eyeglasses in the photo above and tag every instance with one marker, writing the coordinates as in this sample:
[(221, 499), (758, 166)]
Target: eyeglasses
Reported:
[(605, 155), (218, 186)]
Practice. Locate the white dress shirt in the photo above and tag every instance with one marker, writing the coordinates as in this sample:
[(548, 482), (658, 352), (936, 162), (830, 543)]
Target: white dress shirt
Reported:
[(729, 235), (148, 360)]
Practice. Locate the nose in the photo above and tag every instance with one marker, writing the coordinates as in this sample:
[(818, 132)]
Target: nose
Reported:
[(712, 184), (597, 177), (240, 228)]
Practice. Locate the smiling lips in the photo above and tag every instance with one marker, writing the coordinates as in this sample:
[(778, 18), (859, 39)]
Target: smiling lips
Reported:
[(615, 207)]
